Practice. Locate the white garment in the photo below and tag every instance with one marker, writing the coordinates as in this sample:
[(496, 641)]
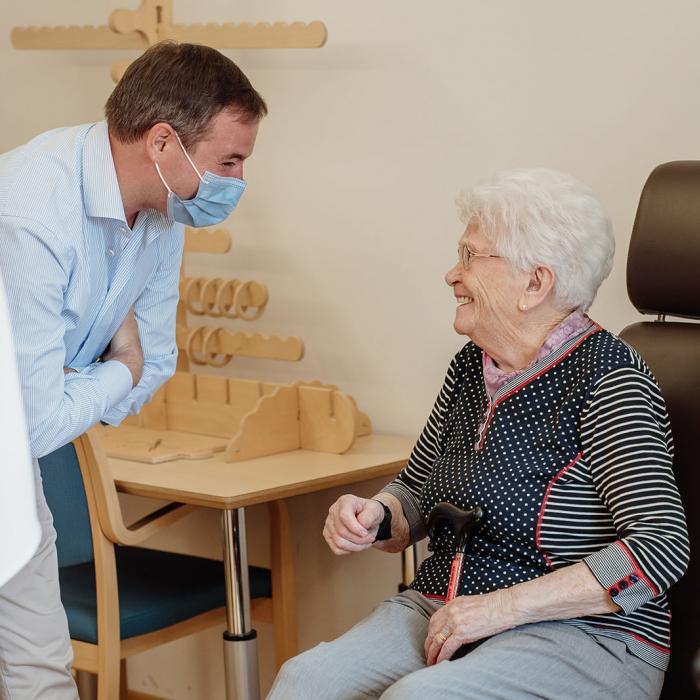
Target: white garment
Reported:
[(19, 524)]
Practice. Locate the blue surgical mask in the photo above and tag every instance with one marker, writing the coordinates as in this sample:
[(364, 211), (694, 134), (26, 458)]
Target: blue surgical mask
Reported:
[(216, 198)]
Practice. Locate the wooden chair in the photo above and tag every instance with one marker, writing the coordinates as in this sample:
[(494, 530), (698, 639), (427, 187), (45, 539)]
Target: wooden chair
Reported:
[(121, 599)]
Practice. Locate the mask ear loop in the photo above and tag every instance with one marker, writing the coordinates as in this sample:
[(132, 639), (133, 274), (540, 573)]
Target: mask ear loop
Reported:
[(187, 155), (162, 179), (208, 300), (191, 285), (225, 307), (211, 356), (189, 346)]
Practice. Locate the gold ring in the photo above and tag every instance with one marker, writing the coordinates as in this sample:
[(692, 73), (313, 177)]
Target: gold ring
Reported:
[(441, 638)]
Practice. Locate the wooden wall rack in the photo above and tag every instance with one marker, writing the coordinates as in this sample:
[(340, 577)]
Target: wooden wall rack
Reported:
[(153, 22), (215, 296)]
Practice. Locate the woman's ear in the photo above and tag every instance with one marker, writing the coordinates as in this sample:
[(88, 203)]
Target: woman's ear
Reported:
[(539, 284)]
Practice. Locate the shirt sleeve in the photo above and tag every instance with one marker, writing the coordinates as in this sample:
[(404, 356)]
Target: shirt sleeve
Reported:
[(408, 484), (155, 311), (626, 437), (36, 270)]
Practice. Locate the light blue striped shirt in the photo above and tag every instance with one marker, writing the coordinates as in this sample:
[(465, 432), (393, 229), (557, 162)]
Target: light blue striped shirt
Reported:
[(72, 270)]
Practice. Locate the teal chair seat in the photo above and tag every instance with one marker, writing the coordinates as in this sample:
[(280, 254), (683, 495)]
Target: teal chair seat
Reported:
[(156, 589)]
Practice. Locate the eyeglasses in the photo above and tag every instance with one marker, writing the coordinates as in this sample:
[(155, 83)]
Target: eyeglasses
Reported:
[(466, 255)]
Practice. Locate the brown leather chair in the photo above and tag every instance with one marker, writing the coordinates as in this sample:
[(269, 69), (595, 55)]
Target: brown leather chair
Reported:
[(663, 278)]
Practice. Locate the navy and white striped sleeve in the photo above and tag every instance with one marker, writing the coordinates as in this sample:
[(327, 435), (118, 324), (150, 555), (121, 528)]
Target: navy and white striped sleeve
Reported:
[(626, 437), (408, 484), (155, 311), (58, 407)]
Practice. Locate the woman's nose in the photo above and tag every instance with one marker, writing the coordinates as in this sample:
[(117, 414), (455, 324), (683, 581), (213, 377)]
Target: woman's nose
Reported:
[(454, 274)]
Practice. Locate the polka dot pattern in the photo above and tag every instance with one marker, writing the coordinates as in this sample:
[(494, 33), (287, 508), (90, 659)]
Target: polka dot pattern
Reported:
[(502, 453), (562, 458)]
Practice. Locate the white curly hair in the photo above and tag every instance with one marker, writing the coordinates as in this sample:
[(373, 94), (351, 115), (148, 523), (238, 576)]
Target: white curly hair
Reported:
[(537, 217)]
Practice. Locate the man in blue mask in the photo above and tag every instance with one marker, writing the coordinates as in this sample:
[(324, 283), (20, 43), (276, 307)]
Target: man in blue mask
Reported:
[(91, 237)]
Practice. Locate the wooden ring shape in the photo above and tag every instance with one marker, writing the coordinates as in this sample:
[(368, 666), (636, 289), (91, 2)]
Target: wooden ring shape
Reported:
[(241, 308), (189, 345), (226, 306), (208, 296), (189, 297), (211, 357)]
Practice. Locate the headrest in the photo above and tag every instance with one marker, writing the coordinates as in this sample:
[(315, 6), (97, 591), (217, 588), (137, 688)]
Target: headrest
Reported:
[(663, 263)]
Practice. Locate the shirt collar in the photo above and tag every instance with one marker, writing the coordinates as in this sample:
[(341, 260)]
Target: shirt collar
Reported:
[(100, 187), (572, 326), (101, 193)]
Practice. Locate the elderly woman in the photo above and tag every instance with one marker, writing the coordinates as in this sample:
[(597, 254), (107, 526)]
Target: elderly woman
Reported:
[(557, 430)]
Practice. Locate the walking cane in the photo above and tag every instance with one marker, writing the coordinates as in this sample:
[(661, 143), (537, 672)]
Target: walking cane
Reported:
[(463, 523)]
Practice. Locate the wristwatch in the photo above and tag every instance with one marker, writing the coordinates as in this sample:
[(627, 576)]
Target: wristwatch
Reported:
[(384, 531)]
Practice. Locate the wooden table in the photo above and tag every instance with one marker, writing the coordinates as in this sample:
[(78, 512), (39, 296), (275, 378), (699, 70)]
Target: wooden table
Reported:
[(230, 487)]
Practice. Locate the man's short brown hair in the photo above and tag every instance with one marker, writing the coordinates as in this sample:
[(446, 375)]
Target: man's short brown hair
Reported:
[(184, 85)]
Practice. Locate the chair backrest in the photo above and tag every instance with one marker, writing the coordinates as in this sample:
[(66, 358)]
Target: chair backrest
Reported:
[(64, 486), (103, 500), (663, 278), (65, 495), (107, 508)]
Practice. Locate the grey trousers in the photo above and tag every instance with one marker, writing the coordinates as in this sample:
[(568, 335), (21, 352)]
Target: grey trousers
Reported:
[(382, 656), (35, 650)]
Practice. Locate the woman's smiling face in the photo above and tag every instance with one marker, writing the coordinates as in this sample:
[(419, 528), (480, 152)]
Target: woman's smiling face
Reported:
[(487, 291)]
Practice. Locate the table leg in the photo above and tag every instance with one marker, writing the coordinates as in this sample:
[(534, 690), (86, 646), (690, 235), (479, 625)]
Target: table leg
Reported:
[(409, 557), (240, 643)]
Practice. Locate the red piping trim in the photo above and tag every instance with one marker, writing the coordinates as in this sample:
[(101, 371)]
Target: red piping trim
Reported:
[(637, 570), (596, 328), (552, 481), (639, 638), (433, 597)]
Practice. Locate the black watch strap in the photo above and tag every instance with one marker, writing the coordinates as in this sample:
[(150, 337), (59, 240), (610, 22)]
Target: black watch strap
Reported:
[(384, 531)]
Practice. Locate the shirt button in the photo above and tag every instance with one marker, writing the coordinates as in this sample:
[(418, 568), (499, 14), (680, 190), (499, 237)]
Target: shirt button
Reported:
[(623, 585), (634, 579), (614, 591), (110, 251)]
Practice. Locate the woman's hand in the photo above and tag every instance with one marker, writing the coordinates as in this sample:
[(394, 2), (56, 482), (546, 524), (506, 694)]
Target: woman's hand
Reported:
[(572, 591), (466, 619), (352, 524)]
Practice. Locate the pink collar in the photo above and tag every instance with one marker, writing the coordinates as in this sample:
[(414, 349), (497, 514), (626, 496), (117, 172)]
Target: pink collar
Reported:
[(574, 324)]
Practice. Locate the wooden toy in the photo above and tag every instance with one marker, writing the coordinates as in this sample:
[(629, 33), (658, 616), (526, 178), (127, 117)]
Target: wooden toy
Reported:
[(195, 415)]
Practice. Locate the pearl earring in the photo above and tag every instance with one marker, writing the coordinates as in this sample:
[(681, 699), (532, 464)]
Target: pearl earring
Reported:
[(524, 307)]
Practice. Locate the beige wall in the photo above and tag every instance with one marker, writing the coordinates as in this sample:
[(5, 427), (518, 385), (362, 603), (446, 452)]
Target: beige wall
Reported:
[(349, 216)]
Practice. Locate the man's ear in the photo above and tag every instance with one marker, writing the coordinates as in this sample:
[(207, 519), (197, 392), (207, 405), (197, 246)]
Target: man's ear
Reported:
[(539, 284), (158, 138)]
